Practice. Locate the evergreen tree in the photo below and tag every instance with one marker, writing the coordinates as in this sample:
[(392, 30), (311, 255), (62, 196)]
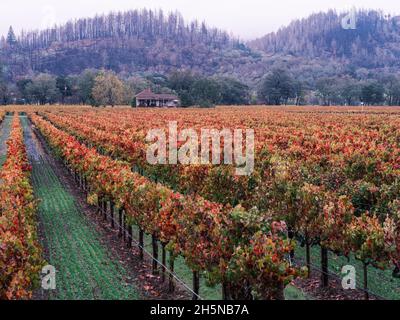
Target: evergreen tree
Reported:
[(11, 38), (3, 42)]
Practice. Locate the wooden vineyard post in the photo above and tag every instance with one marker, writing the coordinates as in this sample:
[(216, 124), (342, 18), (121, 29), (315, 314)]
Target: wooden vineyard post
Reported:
[(171, 280), (98, 206), (127, 232), (365, 269), (291, 237), (120, 222), (88, 191), (308, 256), (324, 267), (155, 254), (308, 260), (112, 206), (164, 261), (196, 285), (130, 236), (86, 186), (225, 291), (123, 225), (141, 243), (102, 207), (105, 205)]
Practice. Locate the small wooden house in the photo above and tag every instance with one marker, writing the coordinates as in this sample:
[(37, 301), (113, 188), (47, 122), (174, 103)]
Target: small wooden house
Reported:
[(149, 99)]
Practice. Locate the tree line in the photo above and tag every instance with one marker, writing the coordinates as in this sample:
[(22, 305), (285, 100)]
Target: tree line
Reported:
[(106, 88), (145, 24), (278, 87)]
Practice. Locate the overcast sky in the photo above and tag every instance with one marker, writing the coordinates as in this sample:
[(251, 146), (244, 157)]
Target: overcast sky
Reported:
[(244, 18)]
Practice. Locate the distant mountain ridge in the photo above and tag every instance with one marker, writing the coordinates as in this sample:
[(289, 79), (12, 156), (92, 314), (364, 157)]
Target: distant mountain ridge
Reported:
[(374, 43)]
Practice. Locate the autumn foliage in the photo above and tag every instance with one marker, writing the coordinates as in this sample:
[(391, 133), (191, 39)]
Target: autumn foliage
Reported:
[(20, 253), (213, 238), (331, 178)]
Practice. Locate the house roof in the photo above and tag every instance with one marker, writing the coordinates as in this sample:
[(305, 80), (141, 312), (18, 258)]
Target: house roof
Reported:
[(148, 95)]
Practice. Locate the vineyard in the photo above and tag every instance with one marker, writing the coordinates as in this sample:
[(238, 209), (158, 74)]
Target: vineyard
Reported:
[(20, 260), (324, 193)]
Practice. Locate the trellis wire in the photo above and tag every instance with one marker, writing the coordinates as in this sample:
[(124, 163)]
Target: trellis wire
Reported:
[(129, 236), (334, 275)]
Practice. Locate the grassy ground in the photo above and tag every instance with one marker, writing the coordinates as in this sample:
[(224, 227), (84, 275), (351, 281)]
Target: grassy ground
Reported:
[(85, 270), (379, 282), (4, 134), (293, 293)]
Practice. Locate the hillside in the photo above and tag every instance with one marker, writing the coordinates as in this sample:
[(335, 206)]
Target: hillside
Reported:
[(374, 43), (134, 41), (320, 60), (145, 41)]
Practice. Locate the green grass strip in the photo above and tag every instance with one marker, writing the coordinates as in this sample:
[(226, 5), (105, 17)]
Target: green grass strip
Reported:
[(4, 135), (381, 283)]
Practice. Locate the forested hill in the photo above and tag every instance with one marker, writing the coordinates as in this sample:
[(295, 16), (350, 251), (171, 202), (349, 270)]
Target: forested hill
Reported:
[(144, 42), (374, 43), (134, 41)]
